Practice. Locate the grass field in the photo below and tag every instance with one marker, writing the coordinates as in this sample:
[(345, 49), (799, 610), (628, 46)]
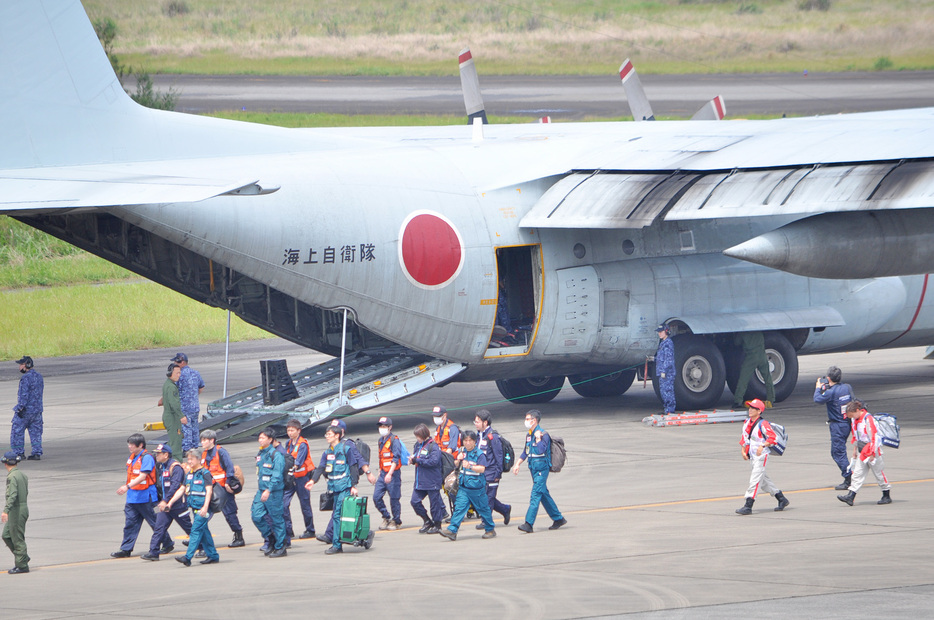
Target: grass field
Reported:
[(420, 37)]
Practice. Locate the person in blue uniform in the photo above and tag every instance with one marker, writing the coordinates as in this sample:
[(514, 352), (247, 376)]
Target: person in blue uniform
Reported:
[(199, 486), (217, 460), (355, 457), (388, 480), (472, 489), (342, 474), (426, 456), (190, 385), (538, 453), (28, 411), (836, 395), (298, 447), (489, 441), (141, 495), (172, 507), (665, 368), (270, 472)]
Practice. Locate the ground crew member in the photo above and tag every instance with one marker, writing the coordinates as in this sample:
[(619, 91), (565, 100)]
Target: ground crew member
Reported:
[(492, 446), (172, 417), (172, 507), (141, 495), (538, 453), (342, 474), (190, 384), (298, 447), (199, 486), (665, 368), (472, 489), (354, 456), (389, 477), (426, 456), (15, 513), (270, 474), (28, 411), (217, 460), (757, 437), (754, 358), (836, 395), (867, 453)]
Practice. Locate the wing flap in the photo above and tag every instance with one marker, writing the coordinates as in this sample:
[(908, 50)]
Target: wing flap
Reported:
[(717, 323)]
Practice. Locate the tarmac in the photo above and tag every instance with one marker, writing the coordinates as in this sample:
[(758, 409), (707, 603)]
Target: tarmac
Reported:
[(651, 525)]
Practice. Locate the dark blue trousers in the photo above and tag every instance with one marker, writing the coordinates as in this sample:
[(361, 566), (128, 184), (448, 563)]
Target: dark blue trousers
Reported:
[(434, 500), (394, 488), (134, 515), (160, 534), (839, 433), (304, 502)]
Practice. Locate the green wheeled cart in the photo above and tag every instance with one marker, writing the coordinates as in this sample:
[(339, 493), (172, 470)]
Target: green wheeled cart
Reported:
[(355, 523)]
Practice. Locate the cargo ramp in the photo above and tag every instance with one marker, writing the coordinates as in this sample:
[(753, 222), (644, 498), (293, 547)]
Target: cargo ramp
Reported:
[(371, 378)]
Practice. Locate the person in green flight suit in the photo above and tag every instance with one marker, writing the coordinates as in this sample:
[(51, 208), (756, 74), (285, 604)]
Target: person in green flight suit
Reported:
[(15, 513), (172, 416), (754, 358)]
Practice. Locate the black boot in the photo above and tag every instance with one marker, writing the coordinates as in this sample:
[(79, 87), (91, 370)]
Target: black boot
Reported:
[(843, 486), (428, 525), (237, 539), (885, 498), (782, 501), (848, 498), (747, 509)]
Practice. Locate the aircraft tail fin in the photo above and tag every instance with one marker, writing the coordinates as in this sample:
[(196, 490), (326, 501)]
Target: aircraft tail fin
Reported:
[(470, 85), (638, 101), (55, 85), (713, 110)]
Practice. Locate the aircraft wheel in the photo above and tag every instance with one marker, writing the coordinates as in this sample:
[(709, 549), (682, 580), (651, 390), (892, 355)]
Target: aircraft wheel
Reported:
[(701, 372), (783, 362), (606, 385), (530, 389)]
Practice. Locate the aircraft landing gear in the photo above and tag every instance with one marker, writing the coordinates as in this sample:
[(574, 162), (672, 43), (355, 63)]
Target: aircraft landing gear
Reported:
[(530, 389), (700, 373), (608, 385), (783, 361)]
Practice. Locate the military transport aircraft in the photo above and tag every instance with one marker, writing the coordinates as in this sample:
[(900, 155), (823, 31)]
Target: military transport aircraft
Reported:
[(524, 254)]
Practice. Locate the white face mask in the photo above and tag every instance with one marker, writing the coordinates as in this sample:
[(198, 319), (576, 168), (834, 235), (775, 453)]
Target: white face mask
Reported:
[(383, 431), (530, 424), (437, 420)]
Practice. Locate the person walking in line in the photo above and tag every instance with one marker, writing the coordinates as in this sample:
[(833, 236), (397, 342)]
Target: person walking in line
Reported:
[(757, 438), (538, 453), (867, 453)]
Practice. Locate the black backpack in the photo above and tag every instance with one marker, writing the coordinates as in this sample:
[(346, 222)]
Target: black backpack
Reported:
[(288, 477), (509, 455), (362, 448), (447, 464)]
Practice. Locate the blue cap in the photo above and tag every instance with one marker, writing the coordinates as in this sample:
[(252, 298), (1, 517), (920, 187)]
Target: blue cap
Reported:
[(164, 447), (339, 423), (180, 357), (9, 457), (384, 421), (661, 328)]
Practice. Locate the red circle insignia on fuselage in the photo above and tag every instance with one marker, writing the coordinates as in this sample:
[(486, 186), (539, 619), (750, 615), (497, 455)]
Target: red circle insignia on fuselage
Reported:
[(431, 250)]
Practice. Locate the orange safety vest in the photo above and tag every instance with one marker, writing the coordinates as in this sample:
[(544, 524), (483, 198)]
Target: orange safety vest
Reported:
[(444, 438), (133, 466), (305, 468), (385, 455), (215, 467)]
